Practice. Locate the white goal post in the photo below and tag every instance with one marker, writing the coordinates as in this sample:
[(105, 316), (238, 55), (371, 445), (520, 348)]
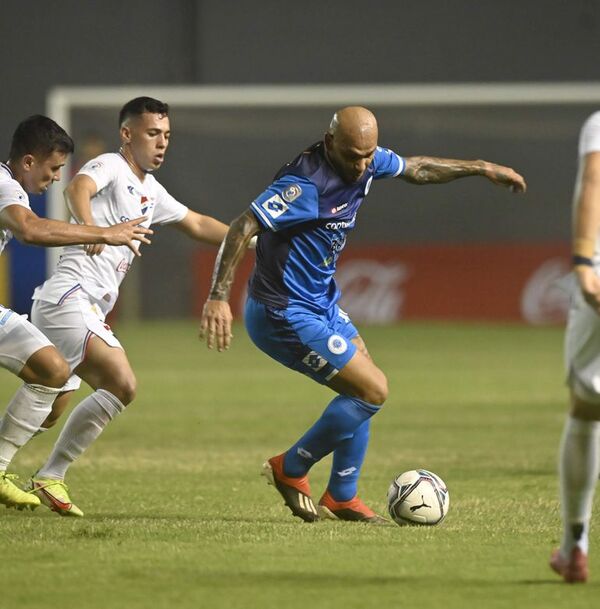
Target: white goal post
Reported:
[(62, 100)]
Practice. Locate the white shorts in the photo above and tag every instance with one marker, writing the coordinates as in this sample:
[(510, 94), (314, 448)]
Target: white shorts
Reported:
[(582, 349), (19, 340), (70, 326)]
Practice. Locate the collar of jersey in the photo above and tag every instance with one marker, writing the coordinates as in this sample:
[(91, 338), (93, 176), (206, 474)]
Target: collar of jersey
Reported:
[(146, 173), (5, 166)]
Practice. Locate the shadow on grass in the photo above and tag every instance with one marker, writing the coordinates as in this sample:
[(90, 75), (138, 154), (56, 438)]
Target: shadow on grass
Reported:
[(553, 581)]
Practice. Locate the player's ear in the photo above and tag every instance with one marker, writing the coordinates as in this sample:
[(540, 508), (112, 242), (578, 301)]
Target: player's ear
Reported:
[(328, 139), (125, 134), (28, 161)]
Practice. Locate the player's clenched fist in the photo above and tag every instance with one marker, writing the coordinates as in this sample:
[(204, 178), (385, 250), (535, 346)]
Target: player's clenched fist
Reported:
[(215, 325)]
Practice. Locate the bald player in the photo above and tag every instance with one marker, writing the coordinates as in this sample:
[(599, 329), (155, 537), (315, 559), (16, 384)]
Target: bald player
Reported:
[(302, 220)]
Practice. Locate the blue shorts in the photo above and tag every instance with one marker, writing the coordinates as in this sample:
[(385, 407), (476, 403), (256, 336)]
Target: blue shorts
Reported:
[(316, 345)]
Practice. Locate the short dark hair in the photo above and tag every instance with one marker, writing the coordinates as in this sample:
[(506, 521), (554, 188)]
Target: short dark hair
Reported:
[(41, 136), (139, 105)]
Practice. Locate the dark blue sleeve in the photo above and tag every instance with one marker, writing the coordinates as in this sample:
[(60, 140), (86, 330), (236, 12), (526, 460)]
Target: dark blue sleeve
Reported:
[(387, 163), (288, 201)]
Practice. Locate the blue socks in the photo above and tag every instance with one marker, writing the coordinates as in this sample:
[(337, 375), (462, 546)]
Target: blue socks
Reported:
[(348, 458), (343, 428)]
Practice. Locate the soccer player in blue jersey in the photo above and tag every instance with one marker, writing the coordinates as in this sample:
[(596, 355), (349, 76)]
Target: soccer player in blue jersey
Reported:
[(302, 220)]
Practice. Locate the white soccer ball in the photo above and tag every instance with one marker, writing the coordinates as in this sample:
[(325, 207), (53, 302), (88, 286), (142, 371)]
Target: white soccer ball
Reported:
[(418, 497)]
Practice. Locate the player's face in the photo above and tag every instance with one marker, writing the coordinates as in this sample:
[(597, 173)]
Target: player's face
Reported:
[(350, 157), (40, 172), (147, 137)]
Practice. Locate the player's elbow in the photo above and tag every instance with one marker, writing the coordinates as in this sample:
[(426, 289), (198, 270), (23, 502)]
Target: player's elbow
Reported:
[(27, 234)]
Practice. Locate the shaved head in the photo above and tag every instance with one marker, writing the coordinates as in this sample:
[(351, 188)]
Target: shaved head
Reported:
[(354, 123), (351, 141)]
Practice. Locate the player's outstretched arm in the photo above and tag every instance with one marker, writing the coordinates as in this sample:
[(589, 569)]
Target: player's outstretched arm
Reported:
[(202, 228), (206, 229), (585, 229), (432, 170), (31, 229), (215, 325)]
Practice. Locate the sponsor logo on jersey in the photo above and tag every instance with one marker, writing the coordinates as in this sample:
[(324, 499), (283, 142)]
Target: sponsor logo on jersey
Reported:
[(334, 210), (275, 206), (131, 189), (337, 344), (341, 224), (291, 193), (123, 266)]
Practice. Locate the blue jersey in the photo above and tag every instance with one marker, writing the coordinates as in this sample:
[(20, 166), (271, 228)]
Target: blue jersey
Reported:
[(307, 213)]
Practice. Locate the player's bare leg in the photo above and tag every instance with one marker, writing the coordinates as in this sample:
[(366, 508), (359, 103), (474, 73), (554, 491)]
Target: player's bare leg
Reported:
[(107, 370), (44, 373), (579, 469), (361, 378)]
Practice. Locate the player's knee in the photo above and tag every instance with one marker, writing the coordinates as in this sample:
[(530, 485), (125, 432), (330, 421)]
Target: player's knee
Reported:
[(377, 391), (124, 388), (52, 372)]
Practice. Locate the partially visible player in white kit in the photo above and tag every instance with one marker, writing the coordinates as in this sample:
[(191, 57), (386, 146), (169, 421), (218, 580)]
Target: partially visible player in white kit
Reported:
[(71, 306), (38, 151), (579, 460)]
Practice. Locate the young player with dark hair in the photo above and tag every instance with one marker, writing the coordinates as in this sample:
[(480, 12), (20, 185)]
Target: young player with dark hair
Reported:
[(71, 306), (38, 151)]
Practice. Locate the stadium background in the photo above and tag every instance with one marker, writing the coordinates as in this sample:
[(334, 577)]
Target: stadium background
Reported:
[(467, 250)]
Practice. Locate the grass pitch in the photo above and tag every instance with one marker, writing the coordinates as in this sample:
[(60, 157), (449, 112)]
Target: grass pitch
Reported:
[(177, 515)]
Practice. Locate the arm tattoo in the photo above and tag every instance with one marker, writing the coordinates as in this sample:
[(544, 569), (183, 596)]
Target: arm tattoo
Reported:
[(431, 170), (232, 249)]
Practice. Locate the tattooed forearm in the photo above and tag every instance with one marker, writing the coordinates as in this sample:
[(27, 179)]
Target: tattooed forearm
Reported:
[(431, 170), (232, 249)]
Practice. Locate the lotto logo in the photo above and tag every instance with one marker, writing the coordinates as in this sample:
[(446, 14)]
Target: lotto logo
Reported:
[(315, 361), (275, 206)]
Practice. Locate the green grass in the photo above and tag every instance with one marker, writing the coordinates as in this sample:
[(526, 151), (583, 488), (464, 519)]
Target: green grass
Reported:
[(177, 516)]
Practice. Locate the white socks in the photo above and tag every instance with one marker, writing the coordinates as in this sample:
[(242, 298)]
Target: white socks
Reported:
[(84, 425), (578, 468), (25, 413)]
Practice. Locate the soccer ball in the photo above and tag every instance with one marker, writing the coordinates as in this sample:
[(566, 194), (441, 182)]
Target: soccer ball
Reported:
[(418, 497)]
